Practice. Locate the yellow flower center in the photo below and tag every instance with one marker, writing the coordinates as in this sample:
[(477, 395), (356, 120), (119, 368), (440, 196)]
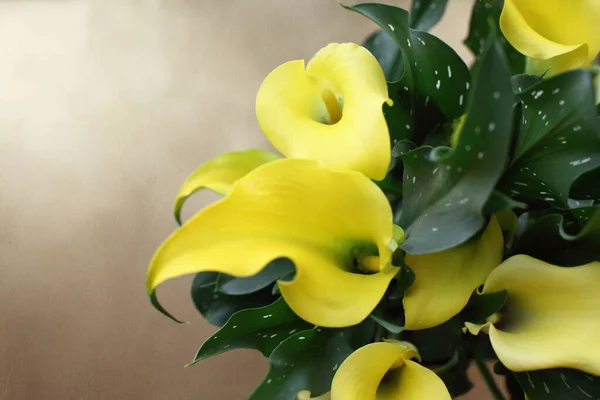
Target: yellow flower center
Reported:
[(332, 105), (369, 264)]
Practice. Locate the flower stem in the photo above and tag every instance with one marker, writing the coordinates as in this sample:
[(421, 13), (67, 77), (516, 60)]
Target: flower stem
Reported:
[(487, 377)]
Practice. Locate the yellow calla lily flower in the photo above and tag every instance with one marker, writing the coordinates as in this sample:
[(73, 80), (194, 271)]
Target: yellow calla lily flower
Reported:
[(330, 223), (551, 318), (555, 34), (444, 281), (220, 173), (385, 371), (330, 111)]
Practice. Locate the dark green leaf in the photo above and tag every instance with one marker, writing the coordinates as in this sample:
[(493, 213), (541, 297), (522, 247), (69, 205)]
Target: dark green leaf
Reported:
[(498, 201), (522, 82), (387, 53), (454, 374), (445, 189), (547, 238), (587, 186), (558, 140), (261, 328), (393, 323), (308, 360), (430, 88), (485, 17), (217, 307), (439, 344), (559, 384), (481, 306), (275, 270), (424, 14)]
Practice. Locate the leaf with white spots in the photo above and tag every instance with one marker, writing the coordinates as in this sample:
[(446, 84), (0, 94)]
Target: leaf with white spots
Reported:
[(424, 14), (430, 87), (281, 268), (445, 189), (261, 328), (217, 307), (559, 384), (308, 360), (483, 12), (569, 239), (558, 139)]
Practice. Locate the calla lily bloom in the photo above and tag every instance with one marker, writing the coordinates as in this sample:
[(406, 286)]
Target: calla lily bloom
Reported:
[(332, 224), (386, 371), (555, 34), (551, 318), (444, 281), (330, 111), (220, 173)]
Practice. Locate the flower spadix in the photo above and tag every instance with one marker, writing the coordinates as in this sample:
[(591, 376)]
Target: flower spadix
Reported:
[(331, 224), (330, 110), (445, 280), (551, 318), (386, 371), (554, 34), (219, 174)]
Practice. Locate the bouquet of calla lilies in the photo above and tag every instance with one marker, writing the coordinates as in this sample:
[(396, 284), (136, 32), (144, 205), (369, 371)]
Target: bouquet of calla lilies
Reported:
[(420, 216)]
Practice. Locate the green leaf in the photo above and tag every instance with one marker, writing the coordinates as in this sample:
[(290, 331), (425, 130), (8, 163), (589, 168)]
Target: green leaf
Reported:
[(445, 189), (275, 270), (217, 307), (261, 328), (547, 238), (522, 82), (454, 374), (439, 344), (481, 306), (387, 53), (558, 140), (498, 201), (430, 88), (308, 360), (586, 186), (559, 384), (424, 14), (485, 17)]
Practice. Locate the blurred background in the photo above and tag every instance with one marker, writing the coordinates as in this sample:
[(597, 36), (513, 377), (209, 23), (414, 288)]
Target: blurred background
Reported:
[(105, 107)]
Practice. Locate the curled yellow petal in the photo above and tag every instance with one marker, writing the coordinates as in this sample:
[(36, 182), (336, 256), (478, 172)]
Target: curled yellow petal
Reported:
[(444, 281), (385, 371), (318, 218), (330, 111), (556, 34), (551, 318), (220, 173)]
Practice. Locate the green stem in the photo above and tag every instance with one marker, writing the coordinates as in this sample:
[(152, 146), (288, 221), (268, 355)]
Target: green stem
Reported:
[(487, 377)]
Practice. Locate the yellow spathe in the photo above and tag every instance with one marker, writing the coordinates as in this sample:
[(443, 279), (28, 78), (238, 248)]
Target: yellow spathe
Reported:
[(444, 281), (551, 318), (555, 34), (321, 219), (385, 371), (219, 174), (331, 111)]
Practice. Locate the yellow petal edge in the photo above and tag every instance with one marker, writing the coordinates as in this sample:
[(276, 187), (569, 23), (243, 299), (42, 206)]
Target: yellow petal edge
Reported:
[(551, 318), (555, 34), (331, 111), (219, 174), (444, 281), (300, 210)]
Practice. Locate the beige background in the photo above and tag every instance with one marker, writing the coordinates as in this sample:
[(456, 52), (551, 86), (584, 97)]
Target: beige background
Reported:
[(105, 107)]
